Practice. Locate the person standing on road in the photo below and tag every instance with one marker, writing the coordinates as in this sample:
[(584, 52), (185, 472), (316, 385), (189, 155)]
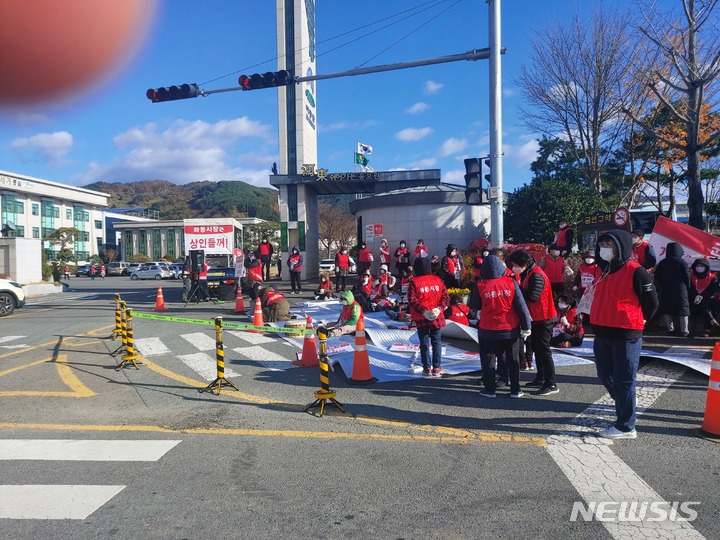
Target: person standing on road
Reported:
[(427, 299), (402, 258), (564, 238), (102, 272), (421, 250), (342, 268), (266, 252), (672, 281), (384, 253), (66, 271), (642, 251), (365, 258), (295, 262), (538, 296), (254, 274), (92, 272), (624, 299)]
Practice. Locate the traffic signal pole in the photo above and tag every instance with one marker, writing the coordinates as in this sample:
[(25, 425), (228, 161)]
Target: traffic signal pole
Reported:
[(496, 203)]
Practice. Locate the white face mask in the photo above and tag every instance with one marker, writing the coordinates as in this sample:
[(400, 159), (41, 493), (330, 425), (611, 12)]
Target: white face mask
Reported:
[(554, 252), (589, 260), (517, 270), (606, 254), (562, 305), (700, 268)]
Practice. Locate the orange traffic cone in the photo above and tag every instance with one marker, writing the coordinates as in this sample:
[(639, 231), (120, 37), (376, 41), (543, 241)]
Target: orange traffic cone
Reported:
[(710, 428), (258, 317), (309, 352), (361, 360), (239, 303), (160, 301)]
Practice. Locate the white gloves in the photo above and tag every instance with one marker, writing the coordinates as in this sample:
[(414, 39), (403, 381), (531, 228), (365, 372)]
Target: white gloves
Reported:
[(429, 315), (564, 321), (698, 298), (525, 333), (436, 311)]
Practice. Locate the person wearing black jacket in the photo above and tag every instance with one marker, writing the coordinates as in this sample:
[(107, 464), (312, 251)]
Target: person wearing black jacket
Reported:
[(623, 299), (672, 281)]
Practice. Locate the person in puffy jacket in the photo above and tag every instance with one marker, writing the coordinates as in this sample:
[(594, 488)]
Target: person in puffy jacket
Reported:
[(672, 281), (295, 262), (349, 316)]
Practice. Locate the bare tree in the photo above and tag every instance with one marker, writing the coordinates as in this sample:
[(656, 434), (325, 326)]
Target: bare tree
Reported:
[(335, 227), (572, 78), (681, 74)]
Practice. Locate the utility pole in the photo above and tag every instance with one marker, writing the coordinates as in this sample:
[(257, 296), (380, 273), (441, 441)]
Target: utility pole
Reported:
[(496, 204)]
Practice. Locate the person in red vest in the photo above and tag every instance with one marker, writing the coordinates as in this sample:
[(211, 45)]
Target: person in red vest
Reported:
[(351, 313), (458, 311), (265, 249), (555, 268), (384, 253), (366, 283), (703, 287), (503, 319), (564, 238), (427, 299), (365, 258), (624, 299), (421, 250), (294, 263), (451, 267), (568, 332), (642, 252), (478, 260), (254, 274), (324, 288), (275, 306), (343, 261), (402, 258), (588, 273), (537, 292)]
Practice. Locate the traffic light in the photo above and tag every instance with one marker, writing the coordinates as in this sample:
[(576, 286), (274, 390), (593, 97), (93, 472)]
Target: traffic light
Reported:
[(488, 176), (474, 194), (266, 80), (171, 93)]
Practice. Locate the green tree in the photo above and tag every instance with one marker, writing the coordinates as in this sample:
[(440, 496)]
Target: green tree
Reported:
[(532, 211), (65, 238)]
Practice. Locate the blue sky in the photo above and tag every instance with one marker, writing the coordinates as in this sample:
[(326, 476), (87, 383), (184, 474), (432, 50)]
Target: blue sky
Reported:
[(428, 117)]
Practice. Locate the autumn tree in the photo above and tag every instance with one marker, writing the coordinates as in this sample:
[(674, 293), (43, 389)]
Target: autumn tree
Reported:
[(336, 227), (572, 79), (680, 71)]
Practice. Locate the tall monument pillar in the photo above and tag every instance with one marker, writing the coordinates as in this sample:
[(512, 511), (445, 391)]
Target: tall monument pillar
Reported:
[(297, 128)]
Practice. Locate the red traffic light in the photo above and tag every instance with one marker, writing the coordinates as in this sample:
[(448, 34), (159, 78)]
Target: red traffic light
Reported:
[(265, 80), (171, 93)]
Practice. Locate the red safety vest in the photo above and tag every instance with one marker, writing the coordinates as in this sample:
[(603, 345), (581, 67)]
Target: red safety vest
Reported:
[(272, 297), (639, 253), (384, 255), (402, 255), (589, 273), (255, 274), (477, 264), (700, 284), (544, 308), (554, 269), (264, 248), (615, 303), (497, 297), (343, 261), (429, 289), (561, 239), (295, 259), (325, 286), (364, 255), (459, 314)]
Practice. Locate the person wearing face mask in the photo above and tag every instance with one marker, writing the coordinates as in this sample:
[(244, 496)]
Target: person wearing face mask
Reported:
[(555, 268), (349, 316), (343, 261), (421, 250), (478, 260), (672, 281), (703, 287), (294, 263), (642, 251), (588, 272), (568, 332), (402, 258), (324, 288), (564, 238), (451, 267), (537, 292), (624, 299), (384, 253), (365, 258), (266, 252)]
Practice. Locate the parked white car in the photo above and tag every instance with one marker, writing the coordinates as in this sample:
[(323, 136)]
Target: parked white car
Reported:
[(12, 297), (152, 271)]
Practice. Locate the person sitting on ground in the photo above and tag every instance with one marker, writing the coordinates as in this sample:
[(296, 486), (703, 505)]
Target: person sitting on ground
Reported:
[(349, 316), (386, 280), (366, 283), (324, 288), (568, 332), (457, 311), (275, 306)]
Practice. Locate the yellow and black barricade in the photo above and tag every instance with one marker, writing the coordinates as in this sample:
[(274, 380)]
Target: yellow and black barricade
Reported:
[(220, 381), (324, 394), (130, 355)]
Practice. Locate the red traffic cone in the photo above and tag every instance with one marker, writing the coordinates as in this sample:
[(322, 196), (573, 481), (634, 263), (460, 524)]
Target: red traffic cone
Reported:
[(361, 360), (160, 300), (239, 302), (258, 317), (710, 428), (309, 352)]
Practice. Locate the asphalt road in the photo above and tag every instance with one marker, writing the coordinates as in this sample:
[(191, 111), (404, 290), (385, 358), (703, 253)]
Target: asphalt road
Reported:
[(411, 459)]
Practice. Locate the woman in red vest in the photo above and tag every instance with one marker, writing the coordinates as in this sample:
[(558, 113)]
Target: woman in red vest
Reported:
[(295, 262), (343, 261), (703, 287), (503, 319), (365, 258), (324, 289), (402, 258), (555, 268), (384, 254), (564, 238), (588, 273)]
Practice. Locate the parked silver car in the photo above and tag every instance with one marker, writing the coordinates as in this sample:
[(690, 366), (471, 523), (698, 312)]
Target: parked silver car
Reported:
[(151, 271)]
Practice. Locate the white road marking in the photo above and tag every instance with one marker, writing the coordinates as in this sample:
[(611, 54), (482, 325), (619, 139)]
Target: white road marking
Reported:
[(206, 366), (53, 502), (271, 360), (10, 338), (202, 342), (599, 475), (152, 346), (84, 450), (253, 339)]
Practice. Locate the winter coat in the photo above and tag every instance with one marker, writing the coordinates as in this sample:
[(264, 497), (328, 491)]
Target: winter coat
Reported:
[(672, 281)]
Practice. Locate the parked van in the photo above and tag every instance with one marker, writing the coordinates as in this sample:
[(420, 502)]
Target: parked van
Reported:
[(118, 268)]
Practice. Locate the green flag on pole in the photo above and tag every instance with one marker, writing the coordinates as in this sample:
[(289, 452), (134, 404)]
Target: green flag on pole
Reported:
[(361, 159)]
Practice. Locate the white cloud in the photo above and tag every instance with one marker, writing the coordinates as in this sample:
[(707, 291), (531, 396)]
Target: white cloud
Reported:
[(417, 108), (452, 146), (413, 134), (190, 151), (509, 92), (432, 87), (522, 154), (456, 176), (43, 147), (428, 163)]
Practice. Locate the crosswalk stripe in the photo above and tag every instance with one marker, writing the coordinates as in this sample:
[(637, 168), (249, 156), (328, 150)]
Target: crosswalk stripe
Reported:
[(53, 502), (84, 450), (151, 346), (202, 342), (10, 338), (267, 358), (205, 366), (253, 339)]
